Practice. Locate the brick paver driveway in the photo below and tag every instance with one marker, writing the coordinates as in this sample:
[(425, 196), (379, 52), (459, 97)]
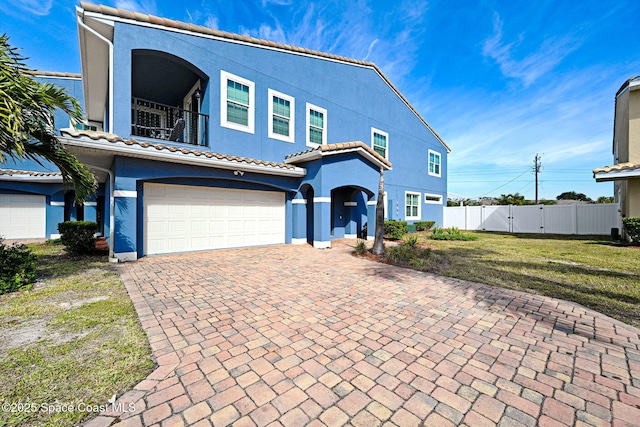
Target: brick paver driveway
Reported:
[(293, 336)]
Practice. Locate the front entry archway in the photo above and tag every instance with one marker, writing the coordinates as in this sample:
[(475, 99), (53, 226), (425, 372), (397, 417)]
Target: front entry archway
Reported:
[(349, 211)]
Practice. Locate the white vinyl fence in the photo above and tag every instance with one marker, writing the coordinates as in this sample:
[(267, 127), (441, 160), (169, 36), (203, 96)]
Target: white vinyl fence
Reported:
[(554, 219)]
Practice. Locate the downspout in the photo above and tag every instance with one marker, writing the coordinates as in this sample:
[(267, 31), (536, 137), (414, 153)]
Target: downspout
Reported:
[(112, 205), (104, 39)]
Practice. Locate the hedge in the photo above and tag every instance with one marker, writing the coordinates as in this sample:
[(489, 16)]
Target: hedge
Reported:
[(395, 229), (632, 227), (78, 237), (424, 225)]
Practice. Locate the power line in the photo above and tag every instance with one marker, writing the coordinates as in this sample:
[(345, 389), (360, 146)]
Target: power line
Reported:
[(508, 182)]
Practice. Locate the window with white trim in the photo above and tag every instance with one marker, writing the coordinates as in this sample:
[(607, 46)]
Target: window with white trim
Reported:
[(434, 163), (237, 105), (281, 116), (433, 199), (411, 205), (316, 125), (380, 142)]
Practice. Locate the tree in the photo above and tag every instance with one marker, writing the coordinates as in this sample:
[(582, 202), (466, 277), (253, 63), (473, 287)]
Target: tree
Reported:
[(605, 199), (512, 199), (27, 108), (572, 195), (378, 242)]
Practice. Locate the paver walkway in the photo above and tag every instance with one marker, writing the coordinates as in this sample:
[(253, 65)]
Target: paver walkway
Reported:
[(293, 336)]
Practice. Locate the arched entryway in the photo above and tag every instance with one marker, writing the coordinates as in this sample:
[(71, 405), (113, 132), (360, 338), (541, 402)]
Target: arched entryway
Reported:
[(349, 211)]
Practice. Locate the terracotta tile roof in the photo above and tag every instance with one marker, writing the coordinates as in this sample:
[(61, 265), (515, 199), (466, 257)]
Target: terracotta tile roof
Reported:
[(37, 73), (115, 139), (337, 148), (14, 172), (178, 25), (628, 166)]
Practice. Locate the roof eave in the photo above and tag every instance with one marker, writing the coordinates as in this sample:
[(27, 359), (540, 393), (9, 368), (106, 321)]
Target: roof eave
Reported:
[(317, 154), (114, 14), (122, 149), (616, 175)]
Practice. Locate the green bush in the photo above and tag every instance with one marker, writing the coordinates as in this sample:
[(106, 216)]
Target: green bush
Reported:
[(451, 233), (361, 247), (78, 236), (17, 267), (395, 229), (632, 227), (409, 254), (424, 225)]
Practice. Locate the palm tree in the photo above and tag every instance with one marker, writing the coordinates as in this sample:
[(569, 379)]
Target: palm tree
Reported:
[(27, 108), (378, 242)]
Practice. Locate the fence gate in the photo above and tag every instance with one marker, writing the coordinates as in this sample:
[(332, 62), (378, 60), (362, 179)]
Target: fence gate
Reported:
[(555, 219)]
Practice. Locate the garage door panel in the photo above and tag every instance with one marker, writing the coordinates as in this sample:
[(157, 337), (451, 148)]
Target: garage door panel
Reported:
[(22, 216), (183, 218)]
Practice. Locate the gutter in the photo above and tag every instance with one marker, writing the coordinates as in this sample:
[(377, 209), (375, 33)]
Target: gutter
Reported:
[(110, 45), (112, 204)]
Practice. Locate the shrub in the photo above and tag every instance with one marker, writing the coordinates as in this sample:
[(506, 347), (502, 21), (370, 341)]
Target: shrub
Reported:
[(424, 225), (409, 254), (78, 236), (395, 229), (451, 233), (17, 267), (411, 241), (361, 247), (632, 227)]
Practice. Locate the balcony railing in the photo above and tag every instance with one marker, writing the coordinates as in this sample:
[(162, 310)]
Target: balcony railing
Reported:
[(151, 119)]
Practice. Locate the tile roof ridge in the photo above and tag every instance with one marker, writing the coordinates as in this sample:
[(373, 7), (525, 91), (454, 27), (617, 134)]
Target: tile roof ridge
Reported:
[(12, 172), (113, 138)]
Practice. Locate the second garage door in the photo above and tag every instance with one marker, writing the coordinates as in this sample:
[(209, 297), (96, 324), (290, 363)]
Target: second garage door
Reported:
[(182, 218), (22, 216)]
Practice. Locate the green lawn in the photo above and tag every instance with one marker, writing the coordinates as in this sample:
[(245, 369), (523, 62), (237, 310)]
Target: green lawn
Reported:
[(74, 338), (589, 270)]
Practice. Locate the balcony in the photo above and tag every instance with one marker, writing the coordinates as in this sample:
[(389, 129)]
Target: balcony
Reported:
[(159, 121)]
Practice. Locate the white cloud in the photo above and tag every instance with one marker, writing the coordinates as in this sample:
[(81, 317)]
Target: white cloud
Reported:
[(211, 22), (389, 38), (535, 63), (35, 7), (141, 6), (265, 3)]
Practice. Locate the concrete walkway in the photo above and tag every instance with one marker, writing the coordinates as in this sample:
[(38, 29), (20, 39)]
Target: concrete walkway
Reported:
[(293, 336)]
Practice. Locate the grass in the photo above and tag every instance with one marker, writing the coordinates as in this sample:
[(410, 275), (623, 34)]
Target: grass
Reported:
[(588, 270), (74, 337)]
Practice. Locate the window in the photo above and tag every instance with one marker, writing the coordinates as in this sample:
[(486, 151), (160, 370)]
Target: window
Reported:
[(316, 125), (411, 205), (434, 199), (379, 142), (236, 102), (434, 163), (281, 116)]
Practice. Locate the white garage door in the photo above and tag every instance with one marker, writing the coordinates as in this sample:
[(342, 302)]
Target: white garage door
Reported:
[(182, 218), (22, 217)]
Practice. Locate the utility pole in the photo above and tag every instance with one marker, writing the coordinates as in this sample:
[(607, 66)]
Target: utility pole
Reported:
[(537, 166)]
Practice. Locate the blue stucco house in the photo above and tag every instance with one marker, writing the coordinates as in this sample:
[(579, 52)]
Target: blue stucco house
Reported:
[(203, 139)]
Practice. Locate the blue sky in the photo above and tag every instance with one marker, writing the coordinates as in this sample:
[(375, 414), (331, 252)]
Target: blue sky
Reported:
[(500, 81)]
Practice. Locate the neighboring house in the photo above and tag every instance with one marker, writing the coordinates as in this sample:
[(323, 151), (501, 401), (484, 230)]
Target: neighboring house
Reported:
[(32, 198), (625, 172), (205, 139)]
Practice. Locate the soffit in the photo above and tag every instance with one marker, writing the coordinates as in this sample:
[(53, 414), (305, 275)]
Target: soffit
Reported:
[(617, 172), (94, 54)]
